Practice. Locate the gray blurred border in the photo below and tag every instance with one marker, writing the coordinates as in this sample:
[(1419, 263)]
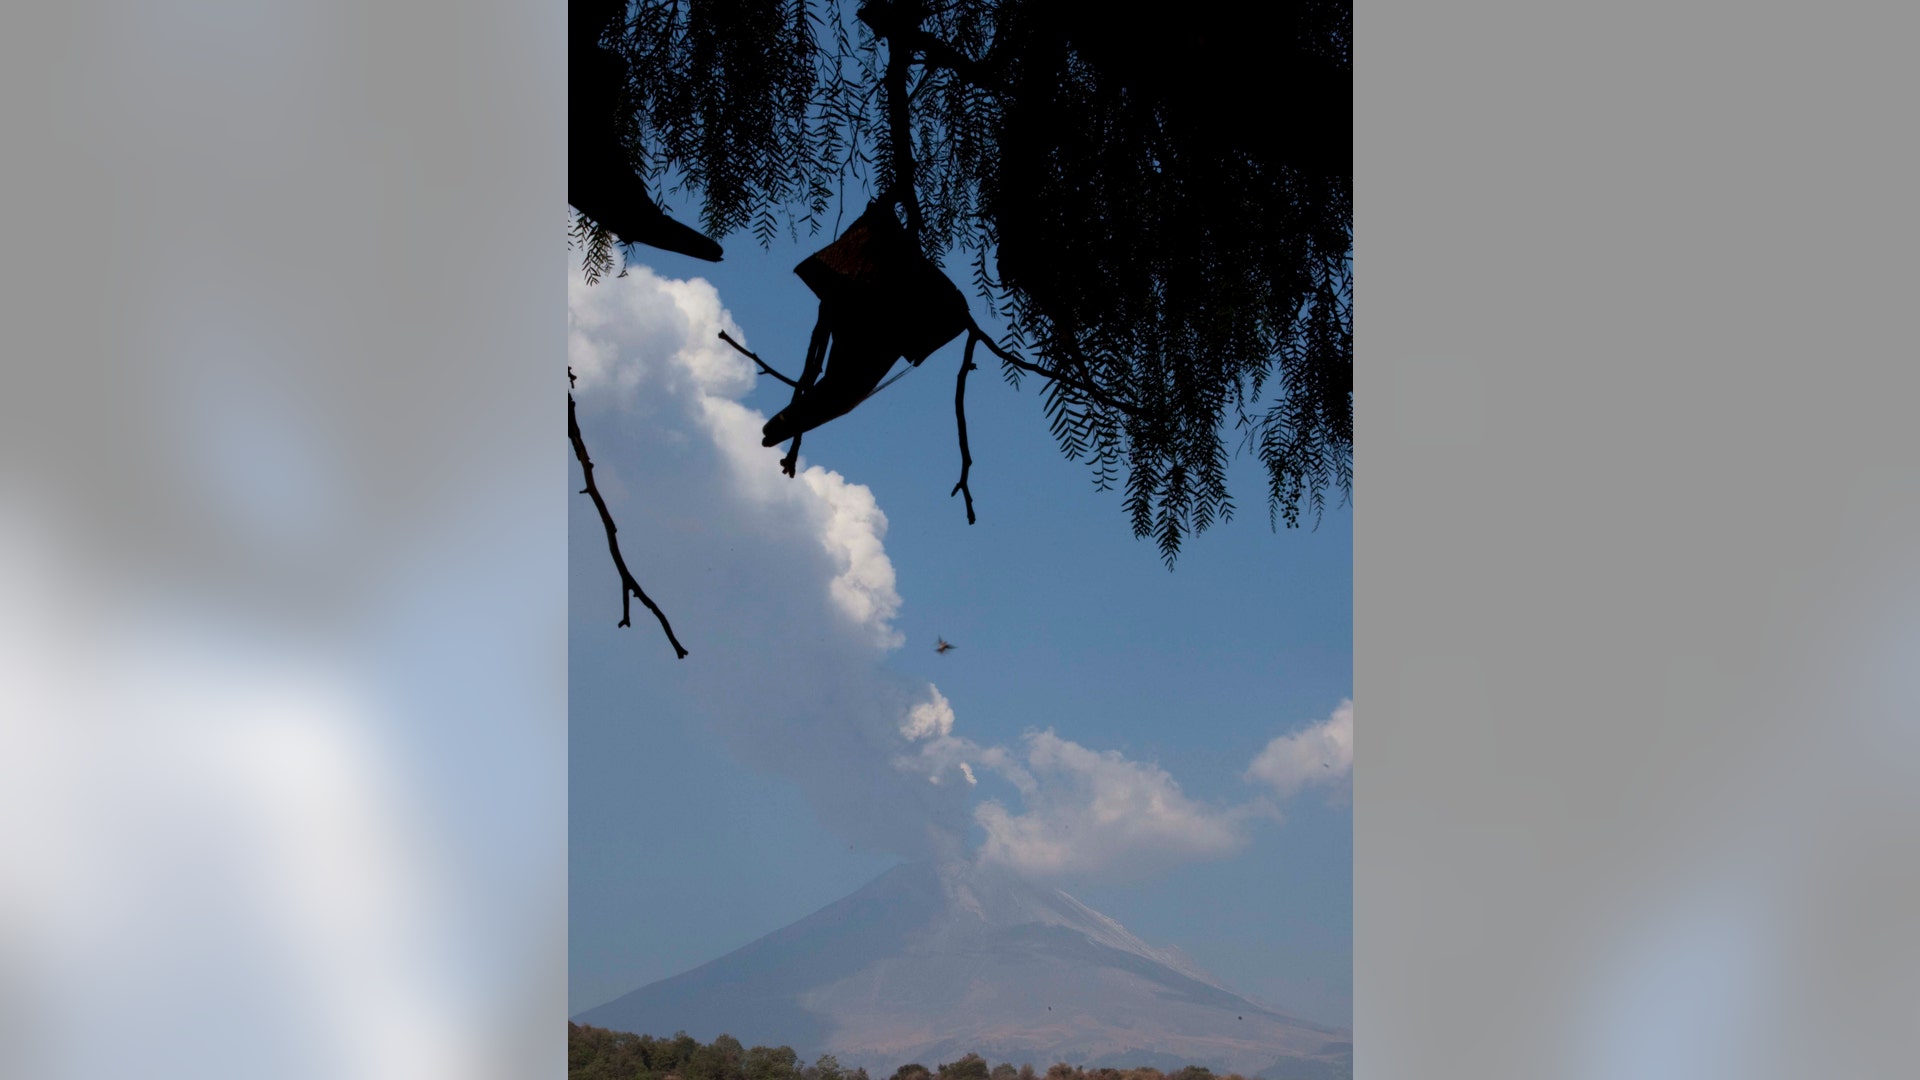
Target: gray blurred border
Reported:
[(1637, 539), (1635, 581), (283, 302)]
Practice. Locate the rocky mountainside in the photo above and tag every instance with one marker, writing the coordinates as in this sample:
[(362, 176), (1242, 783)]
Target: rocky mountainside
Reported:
[(926, 963)]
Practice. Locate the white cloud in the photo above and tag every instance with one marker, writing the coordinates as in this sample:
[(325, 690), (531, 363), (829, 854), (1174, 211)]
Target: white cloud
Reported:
[(791, 585), (1318, 755), (930, 723), (781, 587), (640, 340), (929, 718), (1094, 814)]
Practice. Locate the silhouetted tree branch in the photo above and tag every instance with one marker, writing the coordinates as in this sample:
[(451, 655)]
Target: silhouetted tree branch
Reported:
[(960, 417), (749, 354), (1170, 270), (628, 586), (933, 52), (1090, 390), (887, 17), (809, 374)]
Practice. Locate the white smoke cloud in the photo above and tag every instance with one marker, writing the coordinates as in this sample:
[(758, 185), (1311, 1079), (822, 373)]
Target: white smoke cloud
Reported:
[(780, 587), (791, 583), (1319, 755), (940, 753), (929, 718), (1093, 814), (648, 333)]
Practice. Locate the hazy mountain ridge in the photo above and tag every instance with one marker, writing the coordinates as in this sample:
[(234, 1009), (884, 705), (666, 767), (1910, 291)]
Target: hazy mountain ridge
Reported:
[(928, 964)]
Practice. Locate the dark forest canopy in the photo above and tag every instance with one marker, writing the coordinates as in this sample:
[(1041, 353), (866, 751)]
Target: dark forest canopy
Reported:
[(1160, 209), (599, 1054)]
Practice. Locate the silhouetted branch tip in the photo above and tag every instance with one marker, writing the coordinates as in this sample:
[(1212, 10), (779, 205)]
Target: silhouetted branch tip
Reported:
[(629, 588), (960, 417), (755, 357), (1093, 392), (792, 461)]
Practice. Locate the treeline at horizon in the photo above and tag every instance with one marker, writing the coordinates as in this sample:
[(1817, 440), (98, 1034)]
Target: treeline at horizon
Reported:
[(601, 1054)]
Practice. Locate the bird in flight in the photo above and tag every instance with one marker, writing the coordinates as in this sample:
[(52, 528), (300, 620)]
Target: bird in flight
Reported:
[(943, 645)]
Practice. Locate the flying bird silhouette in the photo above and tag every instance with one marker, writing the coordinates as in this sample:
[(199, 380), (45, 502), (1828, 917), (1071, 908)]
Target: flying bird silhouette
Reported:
[(943, 646)]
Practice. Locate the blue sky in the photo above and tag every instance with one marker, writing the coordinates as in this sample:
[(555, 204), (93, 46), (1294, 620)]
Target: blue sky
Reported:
[(718, 798)]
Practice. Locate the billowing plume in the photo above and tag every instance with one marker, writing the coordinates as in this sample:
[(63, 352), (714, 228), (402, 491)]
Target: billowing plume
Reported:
[(1092, 814), (1319, 755), (786, 586)]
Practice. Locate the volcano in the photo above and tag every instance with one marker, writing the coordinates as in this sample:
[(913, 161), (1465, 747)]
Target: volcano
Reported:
[(926, 963)]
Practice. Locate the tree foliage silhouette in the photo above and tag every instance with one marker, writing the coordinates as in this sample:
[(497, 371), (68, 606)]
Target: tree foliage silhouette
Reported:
[(600, 1054), (1158, 205)]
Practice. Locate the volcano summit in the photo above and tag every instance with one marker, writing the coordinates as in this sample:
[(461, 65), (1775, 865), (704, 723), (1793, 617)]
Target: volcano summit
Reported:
[(927, 963)]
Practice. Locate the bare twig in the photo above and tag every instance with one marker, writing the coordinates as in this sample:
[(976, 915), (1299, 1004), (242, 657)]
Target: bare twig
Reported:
[(628, 586), (1087, 388), (960, 415), (755, 357)]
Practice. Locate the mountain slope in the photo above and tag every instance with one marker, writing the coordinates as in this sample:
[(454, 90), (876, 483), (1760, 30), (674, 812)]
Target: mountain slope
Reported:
[(925, 965)]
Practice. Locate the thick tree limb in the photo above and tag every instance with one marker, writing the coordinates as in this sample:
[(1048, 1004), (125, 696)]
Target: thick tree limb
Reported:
[(629, 588), (960, 415), (816, 351), (937, 53), (809, 372), (792, 460), (892, 19), (764, 366), (905, 32)]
